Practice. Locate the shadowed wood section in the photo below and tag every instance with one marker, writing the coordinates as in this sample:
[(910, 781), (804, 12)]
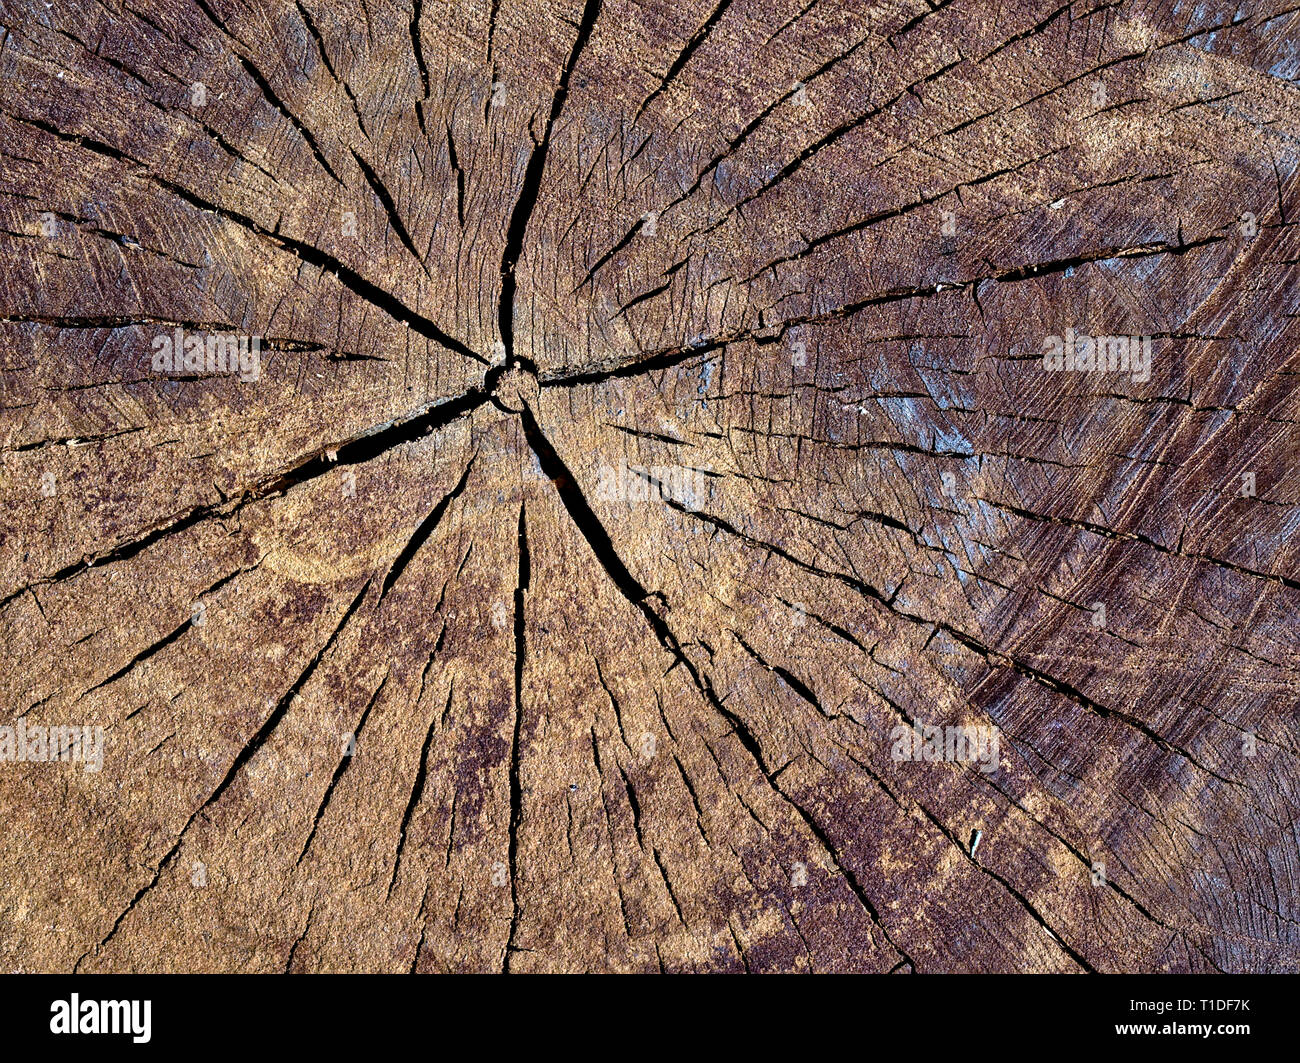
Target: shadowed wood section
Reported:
[(643, 528)]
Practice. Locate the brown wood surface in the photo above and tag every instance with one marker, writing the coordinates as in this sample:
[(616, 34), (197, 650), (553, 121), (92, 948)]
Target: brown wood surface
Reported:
[(804, 253)]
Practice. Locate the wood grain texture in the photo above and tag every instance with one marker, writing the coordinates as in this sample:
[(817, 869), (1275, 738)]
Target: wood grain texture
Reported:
[(391, 680)]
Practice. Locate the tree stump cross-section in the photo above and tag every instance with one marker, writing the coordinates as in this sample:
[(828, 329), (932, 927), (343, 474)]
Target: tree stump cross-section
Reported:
[(607, 485)]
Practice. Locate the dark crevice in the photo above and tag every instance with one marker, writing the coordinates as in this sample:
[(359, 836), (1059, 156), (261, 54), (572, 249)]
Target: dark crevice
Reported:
[(265, 86), (167, 640), (491, 40), (627, 238), (347, 276), (381, 439), (143, 656), (791, 680), (417, 790), (672, 895), (676, 68), (293, 949), (613, 701), (633, 804), (658, 436), (390, 205), (310, 23), (642, 298), (344, 763), (516, 788), (424, 926), (422, 533), (418, 52), (582, 515), (992, 657), (826, 141), (666, 359), (911, 24), (279, 105), (740, 949), (811, 698), (341, 81), (1138, 537), (113, 321), (695, 800), (831, 626), (282, 706), (1020, 897), (454, 162), (1036, 270), (532, 184)]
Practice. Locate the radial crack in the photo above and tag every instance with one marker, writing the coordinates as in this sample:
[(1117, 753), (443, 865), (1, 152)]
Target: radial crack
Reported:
[(531, 187)]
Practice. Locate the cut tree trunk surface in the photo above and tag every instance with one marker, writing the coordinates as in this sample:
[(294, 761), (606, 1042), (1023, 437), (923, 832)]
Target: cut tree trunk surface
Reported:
[(643, 431)]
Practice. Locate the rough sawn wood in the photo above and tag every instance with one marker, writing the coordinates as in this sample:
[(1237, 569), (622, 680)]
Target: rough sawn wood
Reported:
[(392, 679)]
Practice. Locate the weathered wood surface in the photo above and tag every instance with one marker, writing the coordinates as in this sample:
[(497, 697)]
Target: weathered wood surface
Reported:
[(810, 249)]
